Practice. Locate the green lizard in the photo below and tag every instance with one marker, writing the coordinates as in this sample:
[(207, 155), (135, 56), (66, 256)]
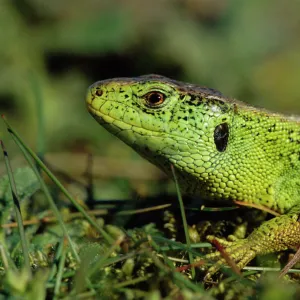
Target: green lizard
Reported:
[(222, 149)]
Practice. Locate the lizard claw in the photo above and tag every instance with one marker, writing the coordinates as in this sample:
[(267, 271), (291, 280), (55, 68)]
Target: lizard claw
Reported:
[(236, 254)]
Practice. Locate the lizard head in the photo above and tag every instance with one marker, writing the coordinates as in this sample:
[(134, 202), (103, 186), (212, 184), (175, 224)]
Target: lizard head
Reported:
[(222, 149), (167, 122)]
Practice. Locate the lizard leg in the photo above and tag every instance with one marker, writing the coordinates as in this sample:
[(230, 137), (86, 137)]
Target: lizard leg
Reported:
[(277, 234)]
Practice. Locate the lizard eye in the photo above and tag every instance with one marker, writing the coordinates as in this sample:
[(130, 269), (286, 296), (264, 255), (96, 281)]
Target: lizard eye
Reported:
[(221, 135), (155, 98)]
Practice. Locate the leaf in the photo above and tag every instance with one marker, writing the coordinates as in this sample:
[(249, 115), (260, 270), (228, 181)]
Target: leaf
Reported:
[(27, 184)]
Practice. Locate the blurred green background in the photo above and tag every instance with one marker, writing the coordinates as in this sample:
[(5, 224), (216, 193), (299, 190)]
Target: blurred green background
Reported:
[(53, 50)]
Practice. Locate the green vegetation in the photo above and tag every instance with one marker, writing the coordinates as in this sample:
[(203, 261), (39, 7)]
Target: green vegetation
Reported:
[(103, 227)]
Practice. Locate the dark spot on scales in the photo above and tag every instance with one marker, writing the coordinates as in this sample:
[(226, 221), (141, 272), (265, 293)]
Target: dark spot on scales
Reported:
[(271, 140), (196, 98)]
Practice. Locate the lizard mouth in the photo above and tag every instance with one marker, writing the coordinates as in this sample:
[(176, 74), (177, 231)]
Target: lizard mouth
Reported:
[(116, 126), (105, 119), (96, 112), (100, 117)]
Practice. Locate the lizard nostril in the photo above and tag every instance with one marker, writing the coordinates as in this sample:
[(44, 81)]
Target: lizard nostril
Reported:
[(99, 93)]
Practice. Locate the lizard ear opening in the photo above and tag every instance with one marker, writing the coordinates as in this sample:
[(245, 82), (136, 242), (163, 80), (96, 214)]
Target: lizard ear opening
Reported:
[(221, 135)]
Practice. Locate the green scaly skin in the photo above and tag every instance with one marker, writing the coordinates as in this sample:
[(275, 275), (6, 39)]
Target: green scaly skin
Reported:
[(259, 163)]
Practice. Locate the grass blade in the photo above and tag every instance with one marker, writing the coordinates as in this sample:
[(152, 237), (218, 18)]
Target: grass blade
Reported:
[(183, 216), (60, 270), (56, 181), (49, 199), (16, 202)]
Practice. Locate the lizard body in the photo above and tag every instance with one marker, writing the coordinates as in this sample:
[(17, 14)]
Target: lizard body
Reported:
[(222, 149)]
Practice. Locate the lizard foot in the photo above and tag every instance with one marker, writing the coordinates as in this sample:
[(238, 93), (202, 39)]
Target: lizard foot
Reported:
[(278, 234), (236, 253)]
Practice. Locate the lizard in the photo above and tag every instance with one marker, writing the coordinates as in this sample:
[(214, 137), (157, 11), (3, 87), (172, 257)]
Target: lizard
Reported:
[(222, 149)]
